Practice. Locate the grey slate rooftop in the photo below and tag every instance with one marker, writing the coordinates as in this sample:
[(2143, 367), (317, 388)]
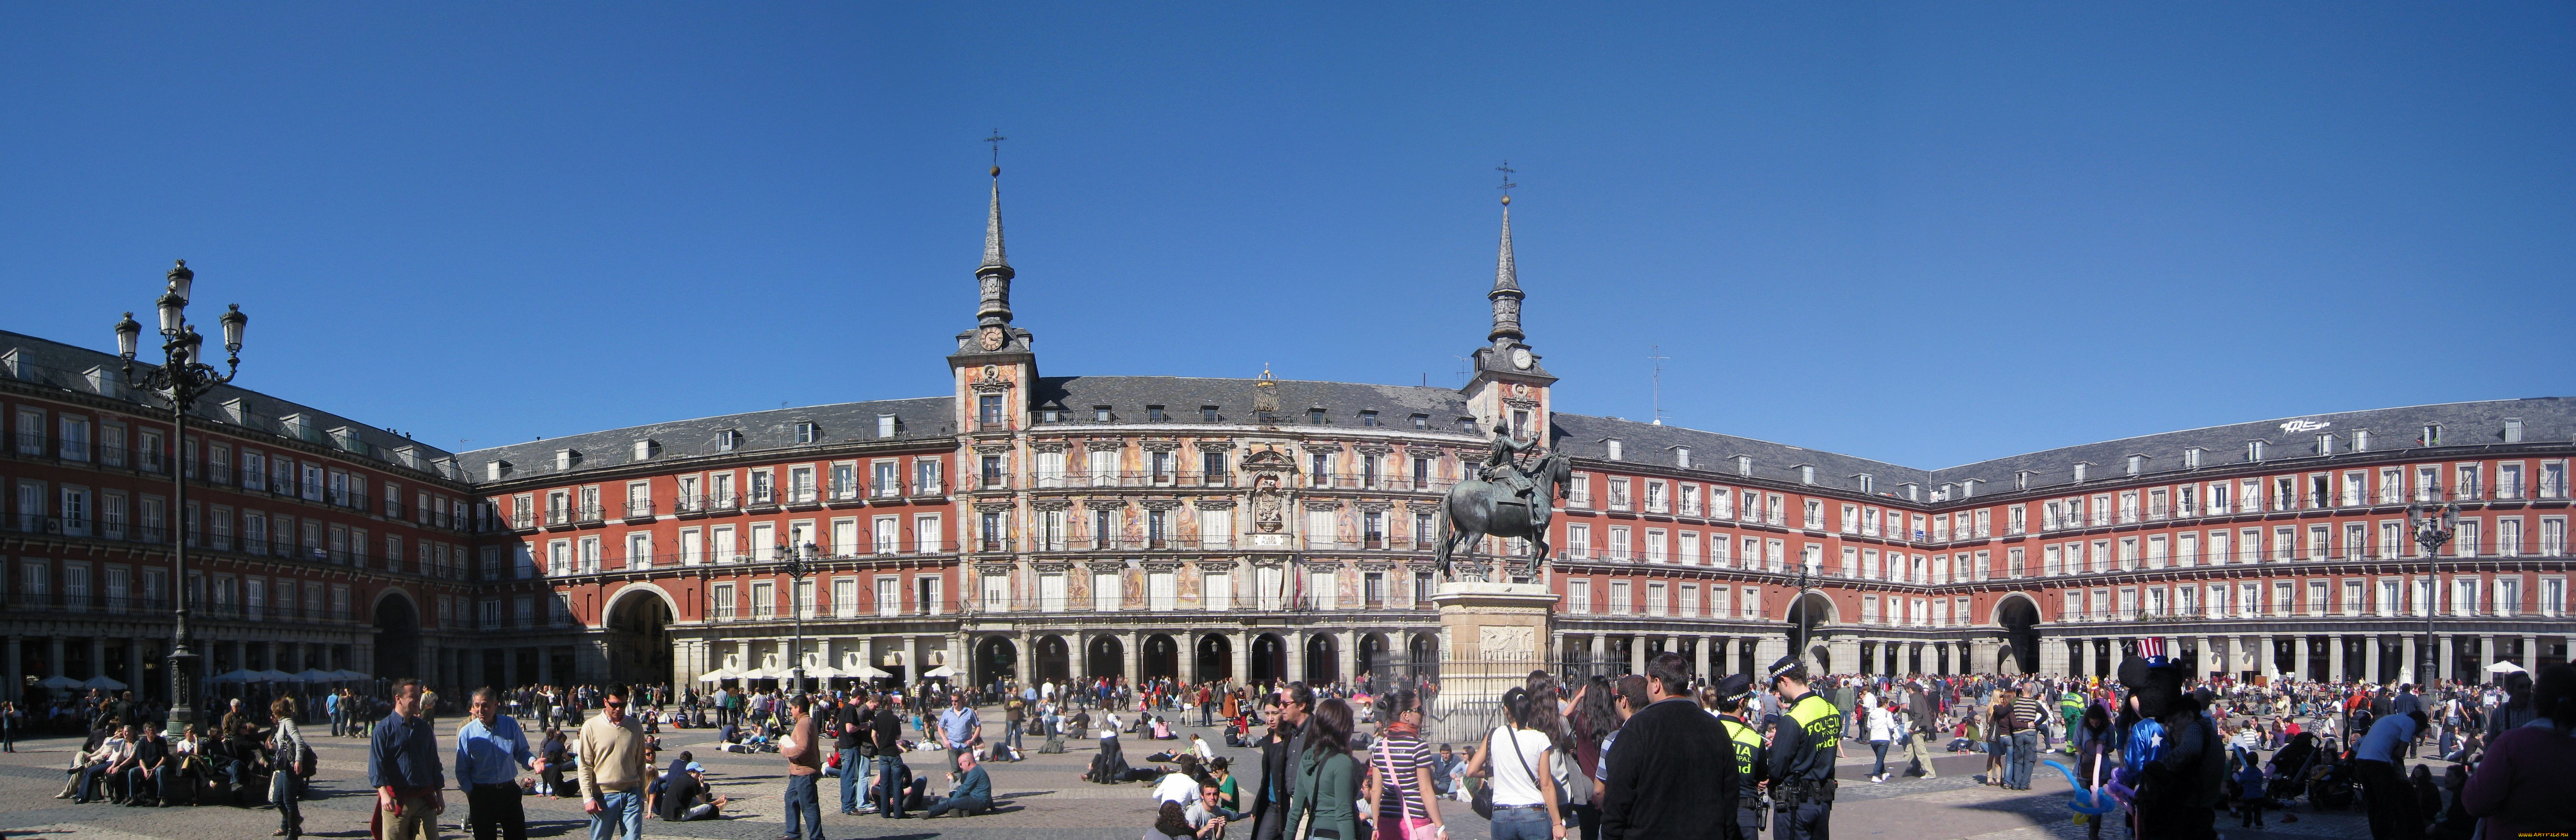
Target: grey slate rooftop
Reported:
[(81, 370)]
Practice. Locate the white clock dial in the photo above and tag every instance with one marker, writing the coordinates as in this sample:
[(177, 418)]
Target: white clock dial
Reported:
[(1521, 357)]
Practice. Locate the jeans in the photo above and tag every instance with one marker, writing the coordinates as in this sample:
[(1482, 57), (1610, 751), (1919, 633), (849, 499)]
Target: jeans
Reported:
[(283, 789), (159, 783), (853, 768), (804, 805), (889, 795), (1879, 747), (618, 810), (1011, 737), (93, 783), (1521, 824), (2025, 755), (965, 805)]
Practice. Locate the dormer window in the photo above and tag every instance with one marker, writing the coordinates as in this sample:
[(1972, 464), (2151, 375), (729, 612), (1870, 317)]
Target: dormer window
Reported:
[(495, 470), (1744, 465), (1467, 424), (2432, 435), (728, 440), (646, 448), (2191, 458), (1422, 421), (2079, 471), (1613, 444), (1314, 417), (1681, 457), (1050, 415), (1100, 414), (885, 425), (566, 459), (2325, 444), (808, 432), (2253, 450), (2137, 464), (1866, 482), (2361, 440), (1207, 414), (2513, 430), (1368, 418), (1153, 414), (1806, 474), (2021, 480)]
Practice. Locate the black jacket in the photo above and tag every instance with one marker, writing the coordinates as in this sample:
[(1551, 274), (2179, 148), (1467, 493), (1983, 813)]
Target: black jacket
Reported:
[(887, 727), (1671, 774), (1276, 769)]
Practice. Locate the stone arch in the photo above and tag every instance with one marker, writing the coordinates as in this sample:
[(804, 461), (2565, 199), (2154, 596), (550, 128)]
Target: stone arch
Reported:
[(617, 600), (1269, 659), (997, 657), (396, 617), (1052, 660), (1104, 655), (636, 632), (1158, 655), (2019, 616), (1994, 614), (1215, 652)]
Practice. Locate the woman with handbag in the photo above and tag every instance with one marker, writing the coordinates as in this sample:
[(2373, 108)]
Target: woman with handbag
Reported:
[(1399, 776), (287, 782), (1521, 803), (1324, 802)]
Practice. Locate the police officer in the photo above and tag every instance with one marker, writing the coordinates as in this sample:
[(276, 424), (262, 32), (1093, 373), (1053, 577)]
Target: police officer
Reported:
[(1803, 750), (1752, 758)]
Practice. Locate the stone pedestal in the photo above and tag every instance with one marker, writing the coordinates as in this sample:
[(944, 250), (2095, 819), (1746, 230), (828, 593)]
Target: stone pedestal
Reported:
[(1494, 622)]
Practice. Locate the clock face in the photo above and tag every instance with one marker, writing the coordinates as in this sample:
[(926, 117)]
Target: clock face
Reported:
[(993, 338), (1521, 358)]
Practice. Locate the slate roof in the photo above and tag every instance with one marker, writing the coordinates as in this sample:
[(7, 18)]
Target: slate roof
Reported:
[(1182, 397), (64, 366), (923, 418), (1712, 452), (2464, 424)]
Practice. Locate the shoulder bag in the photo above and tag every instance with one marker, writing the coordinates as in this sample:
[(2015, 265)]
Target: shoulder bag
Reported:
[(1482, 800), (1407, 825)]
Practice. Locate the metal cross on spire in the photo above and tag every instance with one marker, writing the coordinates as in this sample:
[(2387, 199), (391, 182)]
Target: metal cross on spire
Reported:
[(1507, 186), (996, 140)]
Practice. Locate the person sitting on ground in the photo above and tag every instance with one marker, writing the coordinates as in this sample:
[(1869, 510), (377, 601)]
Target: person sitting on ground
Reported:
[(970, 790), (1182, 785), (1199, 746), (1163, 729), (686, 796)]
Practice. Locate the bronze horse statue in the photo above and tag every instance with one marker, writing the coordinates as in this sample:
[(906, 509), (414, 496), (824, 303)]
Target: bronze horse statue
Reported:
[(1478, 507)]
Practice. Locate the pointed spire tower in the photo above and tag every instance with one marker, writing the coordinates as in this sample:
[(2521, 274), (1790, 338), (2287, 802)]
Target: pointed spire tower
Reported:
[(1509, 388), (993, 367)]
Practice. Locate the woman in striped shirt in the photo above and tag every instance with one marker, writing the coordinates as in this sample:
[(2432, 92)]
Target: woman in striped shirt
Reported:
[(1399, 785)]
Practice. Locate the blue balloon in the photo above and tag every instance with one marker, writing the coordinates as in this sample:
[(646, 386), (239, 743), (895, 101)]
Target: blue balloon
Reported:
[(2095, 802)]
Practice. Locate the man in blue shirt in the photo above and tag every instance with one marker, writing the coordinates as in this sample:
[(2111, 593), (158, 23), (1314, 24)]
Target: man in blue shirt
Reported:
[(959, 729), (402, 765), (491, 749), (2391, 817)]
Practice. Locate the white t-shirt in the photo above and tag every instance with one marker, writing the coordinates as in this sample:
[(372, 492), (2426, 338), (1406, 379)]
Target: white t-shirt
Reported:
[(1514, 785), (1176, 787)]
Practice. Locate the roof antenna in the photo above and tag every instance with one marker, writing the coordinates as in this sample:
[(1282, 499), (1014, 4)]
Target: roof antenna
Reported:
[(1654, 353)]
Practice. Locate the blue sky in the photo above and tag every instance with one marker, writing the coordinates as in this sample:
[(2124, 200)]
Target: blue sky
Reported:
[(1926, 233)]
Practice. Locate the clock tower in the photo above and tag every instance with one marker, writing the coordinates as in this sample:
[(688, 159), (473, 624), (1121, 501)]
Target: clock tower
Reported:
[(1509, 387), (993, 368)]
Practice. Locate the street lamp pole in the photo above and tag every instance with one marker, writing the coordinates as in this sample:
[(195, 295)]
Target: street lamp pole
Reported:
[(2434, 528), (181, 379), (1798, 628), (800, 563)]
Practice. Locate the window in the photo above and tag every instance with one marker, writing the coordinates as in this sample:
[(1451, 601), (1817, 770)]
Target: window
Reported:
[(1208, 414), (1368, 418), (1422, 421), (885, 425), (1315, 416), (1619, 597), (807, 432), (1578, 541), (1681, 457), (1153, 414), (1578, 596), (1614, 446), (988, 410)]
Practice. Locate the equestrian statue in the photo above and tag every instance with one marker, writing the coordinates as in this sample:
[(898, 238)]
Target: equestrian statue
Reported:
[(1505, 501)]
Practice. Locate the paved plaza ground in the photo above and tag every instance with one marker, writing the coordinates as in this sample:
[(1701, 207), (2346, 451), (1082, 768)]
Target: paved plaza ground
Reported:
[(1044, 794)]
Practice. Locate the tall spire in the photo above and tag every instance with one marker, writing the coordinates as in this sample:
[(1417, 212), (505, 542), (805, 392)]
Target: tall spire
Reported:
[(1507, 287), (995, 274)]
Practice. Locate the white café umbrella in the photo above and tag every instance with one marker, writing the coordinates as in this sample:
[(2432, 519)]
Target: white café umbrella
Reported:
[(718, 676), (941, 671), (103, 681), (2504, 668)]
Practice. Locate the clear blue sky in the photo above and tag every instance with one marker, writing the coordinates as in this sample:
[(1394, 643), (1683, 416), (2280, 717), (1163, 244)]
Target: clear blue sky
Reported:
[(1927, 233)]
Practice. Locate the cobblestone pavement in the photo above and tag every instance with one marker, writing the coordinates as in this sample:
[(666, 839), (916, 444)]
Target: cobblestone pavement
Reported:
[(1045, 793)]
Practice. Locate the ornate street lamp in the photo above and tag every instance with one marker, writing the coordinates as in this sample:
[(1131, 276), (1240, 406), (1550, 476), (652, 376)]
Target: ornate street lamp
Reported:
[(2434, 528), (181, 379), (798, 562), (1798, 607)]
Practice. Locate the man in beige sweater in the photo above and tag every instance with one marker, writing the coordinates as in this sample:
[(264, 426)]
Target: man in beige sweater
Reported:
[(613, 769), (804, 771)]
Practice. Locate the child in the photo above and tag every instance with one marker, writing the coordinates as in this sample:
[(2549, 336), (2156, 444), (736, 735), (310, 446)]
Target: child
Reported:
[(2251, 783)]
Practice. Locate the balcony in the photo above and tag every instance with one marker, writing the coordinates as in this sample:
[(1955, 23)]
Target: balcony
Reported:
[(639, 510)]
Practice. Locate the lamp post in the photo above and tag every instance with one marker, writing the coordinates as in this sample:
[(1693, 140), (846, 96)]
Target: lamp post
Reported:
[(1798, 608), (180, 380), (2434, 528), (799, 563)]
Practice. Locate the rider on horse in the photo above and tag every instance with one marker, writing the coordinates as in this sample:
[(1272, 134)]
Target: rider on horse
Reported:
[(1503, 468)]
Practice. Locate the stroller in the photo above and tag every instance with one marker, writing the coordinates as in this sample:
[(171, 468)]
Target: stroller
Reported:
[(2330, 781), (2291, 767)]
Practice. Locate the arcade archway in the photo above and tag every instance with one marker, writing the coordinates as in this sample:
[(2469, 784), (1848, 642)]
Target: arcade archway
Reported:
[(1215, 657), (638, 631), (2020, 620), (1269, 662), (1373, 657), (397, 623), (1807, 617), (1053, 660), (1322, 660), (1159, 656), (996, 659), (1104, 656)]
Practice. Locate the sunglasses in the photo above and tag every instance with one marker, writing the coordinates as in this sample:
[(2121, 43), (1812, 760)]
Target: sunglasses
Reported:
[(614, 704)]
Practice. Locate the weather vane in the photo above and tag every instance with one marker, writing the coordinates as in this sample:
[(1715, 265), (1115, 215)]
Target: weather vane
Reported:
[(1507, 186), (996, 140)]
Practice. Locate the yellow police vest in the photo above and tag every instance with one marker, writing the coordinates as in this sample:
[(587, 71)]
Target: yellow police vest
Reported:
[(1746, 741), (1820, 720)]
